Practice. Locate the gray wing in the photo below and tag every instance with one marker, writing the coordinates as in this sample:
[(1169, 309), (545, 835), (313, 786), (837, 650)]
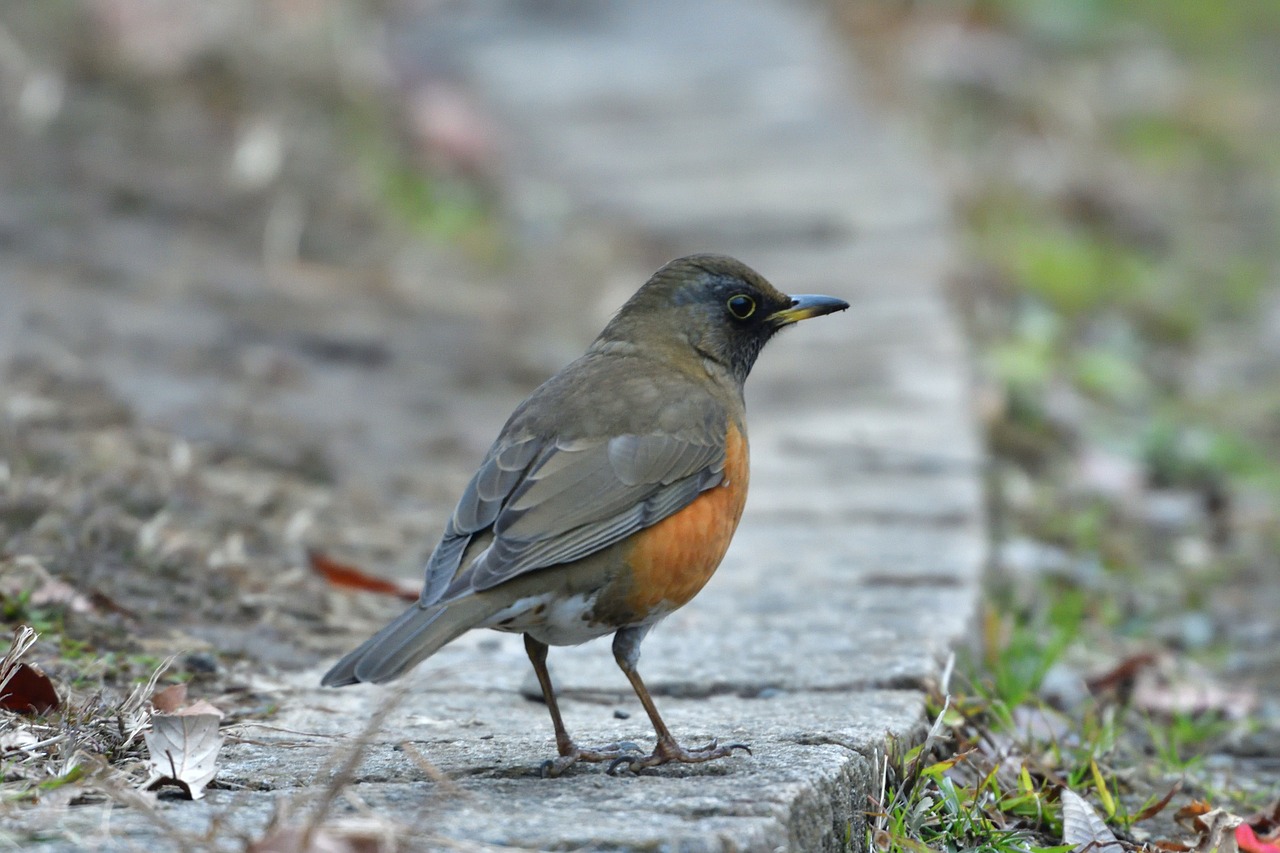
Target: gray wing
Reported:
[(548, 502)]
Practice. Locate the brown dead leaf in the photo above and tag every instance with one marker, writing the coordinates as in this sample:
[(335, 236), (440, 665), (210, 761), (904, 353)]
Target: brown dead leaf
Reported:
[(349, 577), (1192, 813), (184, 749), (29, 691), (1267, 822), (1159, 805), (106, 604), (1121, 677), (170, 699), (200, 708)]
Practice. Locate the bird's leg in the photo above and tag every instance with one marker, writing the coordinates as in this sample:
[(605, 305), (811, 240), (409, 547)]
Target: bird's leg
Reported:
[(570, 753), (626, 651)]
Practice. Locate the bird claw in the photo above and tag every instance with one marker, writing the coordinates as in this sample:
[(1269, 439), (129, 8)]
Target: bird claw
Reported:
[(667, 752), (714, 746), (623, 751), (551, 768), (626, 760)]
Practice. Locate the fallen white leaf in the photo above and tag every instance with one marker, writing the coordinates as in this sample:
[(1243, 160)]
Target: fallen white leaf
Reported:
[(17, 740), (184, 751), (1220, 832), (1084, 827)]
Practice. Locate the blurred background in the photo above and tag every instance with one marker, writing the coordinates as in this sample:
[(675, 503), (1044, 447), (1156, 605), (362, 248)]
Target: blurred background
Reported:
[(1115, 178), (215, 216)]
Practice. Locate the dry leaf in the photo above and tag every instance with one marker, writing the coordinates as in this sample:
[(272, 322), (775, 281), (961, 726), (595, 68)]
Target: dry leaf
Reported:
[(336, 837), (16, 740), (1158, 806), (170, 699), (1169, 693), (1268, 819), (56, 592), (23, 639), (200, 707), (1192, 813), (27, 690), (1084, 827), (106, 604), (43, 589), (1219, 835), (349, 577), (1266, 824), (184, 750), (1121, 677)]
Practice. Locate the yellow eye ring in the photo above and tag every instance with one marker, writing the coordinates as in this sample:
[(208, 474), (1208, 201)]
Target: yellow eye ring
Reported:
[(741, 306)]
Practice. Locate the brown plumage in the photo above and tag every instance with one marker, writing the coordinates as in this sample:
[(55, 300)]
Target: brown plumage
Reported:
[(611, 494)]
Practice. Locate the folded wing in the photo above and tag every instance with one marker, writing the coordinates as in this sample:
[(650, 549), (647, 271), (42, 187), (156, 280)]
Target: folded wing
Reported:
[(548, 502)]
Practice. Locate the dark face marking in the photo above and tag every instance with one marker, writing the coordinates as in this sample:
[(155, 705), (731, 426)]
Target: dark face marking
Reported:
[(720, 307)]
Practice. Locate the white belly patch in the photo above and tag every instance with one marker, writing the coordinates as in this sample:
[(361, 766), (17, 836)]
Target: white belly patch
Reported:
[(551, 619)]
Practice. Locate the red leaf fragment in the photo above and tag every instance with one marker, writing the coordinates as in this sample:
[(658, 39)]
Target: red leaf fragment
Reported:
[(1249, 842), (29, 691), (344, 576)]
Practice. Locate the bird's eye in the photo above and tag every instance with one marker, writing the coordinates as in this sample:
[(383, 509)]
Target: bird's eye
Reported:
[(741, 306)]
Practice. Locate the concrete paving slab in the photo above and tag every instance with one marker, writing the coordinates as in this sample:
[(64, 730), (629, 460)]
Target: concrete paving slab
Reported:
[(737, 127)]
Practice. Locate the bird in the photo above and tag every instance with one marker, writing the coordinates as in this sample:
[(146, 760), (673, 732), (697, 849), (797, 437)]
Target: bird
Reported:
[(609, 497)]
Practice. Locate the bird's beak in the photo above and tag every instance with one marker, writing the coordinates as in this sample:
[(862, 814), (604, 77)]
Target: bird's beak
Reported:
[(806, 305)]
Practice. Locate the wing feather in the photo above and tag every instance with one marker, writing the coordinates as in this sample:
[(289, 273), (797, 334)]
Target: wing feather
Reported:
[(508, 557), (548, 502)]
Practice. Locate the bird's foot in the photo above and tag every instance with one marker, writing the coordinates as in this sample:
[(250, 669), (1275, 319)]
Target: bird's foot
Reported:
[(668, 750), (571, 754)]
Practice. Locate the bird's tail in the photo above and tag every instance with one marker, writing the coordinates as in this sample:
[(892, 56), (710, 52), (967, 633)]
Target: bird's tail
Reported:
[(411, 637)]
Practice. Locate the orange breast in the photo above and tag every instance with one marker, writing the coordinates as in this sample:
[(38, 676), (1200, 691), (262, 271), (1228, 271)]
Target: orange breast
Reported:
[(672, 560)]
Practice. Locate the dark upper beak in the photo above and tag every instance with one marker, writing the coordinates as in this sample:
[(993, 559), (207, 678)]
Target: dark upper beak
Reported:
[(806, 305)]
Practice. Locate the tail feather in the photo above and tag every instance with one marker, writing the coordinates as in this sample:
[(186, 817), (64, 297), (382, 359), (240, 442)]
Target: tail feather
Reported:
[(411, 637)]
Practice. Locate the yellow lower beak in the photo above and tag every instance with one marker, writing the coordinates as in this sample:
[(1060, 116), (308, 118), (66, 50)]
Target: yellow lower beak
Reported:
[(806, 305)]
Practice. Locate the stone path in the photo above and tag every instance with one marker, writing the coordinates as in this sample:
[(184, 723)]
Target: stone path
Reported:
[(661, 127), (733, 127)]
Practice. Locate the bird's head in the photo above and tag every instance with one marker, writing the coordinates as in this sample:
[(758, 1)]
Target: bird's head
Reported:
[(713, 307)]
